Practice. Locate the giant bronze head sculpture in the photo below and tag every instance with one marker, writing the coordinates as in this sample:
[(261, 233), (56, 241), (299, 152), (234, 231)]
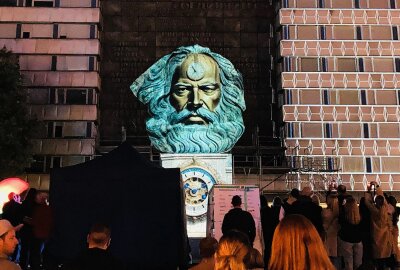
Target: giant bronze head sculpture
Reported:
[(195, 99)]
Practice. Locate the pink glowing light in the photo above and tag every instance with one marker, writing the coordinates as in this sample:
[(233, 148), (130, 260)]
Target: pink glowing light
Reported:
[(9, 185)]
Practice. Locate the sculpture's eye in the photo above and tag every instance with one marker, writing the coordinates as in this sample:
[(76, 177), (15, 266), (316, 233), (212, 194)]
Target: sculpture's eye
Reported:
[(181, 90), (209, 88)]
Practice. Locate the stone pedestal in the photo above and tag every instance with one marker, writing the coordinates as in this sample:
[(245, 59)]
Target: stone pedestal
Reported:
[(199, 174)]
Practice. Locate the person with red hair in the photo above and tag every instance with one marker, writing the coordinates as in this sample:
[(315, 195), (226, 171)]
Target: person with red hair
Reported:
[(297, 246)]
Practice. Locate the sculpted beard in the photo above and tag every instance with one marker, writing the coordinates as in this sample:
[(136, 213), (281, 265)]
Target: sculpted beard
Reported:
[(217, 137)]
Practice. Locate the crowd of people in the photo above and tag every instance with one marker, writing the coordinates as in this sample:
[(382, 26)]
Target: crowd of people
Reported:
[(298, 234)]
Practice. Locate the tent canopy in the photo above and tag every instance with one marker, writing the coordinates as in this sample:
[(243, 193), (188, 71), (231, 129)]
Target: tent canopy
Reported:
[(142, 203)]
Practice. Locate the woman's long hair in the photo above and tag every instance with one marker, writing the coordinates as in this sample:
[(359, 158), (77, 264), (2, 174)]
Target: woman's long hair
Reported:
[(298, 246), (351, 211), (232, 250)]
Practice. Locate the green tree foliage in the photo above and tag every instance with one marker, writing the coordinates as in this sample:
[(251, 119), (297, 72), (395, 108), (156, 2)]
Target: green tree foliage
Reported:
[(16, 128)]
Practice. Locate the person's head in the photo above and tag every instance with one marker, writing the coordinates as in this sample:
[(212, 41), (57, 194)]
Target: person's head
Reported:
[(41, 197), (294, 193), (263, 201), (351, 211), (8, 240), (392, 200), (195, 100), (208, 246), (277, 202), (232, 249), (315, 199), (236, 201), (332, 202), (297, 246), (341, 189), (99, 236), (306, 191)]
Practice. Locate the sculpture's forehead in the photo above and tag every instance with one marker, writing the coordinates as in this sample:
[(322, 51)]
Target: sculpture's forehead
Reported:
[(211, 68)]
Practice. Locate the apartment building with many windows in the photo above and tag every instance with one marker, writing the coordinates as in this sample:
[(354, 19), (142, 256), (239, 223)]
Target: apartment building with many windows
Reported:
[(340, 75), (58, 46)]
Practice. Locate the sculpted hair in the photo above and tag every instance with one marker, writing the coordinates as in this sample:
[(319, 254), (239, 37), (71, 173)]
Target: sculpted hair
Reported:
[(351, 211), (153, 89), (231, 252), (297, 246)]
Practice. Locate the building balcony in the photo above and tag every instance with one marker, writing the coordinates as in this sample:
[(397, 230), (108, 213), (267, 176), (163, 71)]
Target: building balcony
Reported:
[(63, 112), (326, 48), (64, 146), (323, 16), (342, 147), (53, 46), (50, 15), (355, 80), (62, 79), (341, 113)]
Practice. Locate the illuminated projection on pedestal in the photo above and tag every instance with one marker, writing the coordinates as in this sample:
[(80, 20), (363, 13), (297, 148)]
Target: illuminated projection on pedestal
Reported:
[(197, 184)]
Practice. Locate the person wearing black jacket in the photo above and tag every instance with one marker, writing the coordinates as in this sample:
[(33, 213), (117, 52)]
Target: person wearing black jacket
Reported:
[(304, 206), (240, 220)]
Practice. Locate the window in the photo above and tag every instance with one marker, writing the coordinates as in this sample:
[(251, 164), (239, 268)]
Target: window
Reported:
[(359, 33), (366, 130), (395, 33), (328, 130), (326, 97), (397, 64), (25, 35), (92, 31), (55, 31), (357, 3), (363, 97), (286, 34), (322, 32), (58, 130), (57, 3), (398, 97), (91, 63), (330, 164), (360, 64), (76, 96), (18, 32), (28, 3), (288, 96), (43, 3), (55, 162), (287, 64), (53, 63), (393, 4), (368, 165), (8, 3), (50, 128), (290, 130), (324, 64), (89, 130), (321, 4), (93, 3)]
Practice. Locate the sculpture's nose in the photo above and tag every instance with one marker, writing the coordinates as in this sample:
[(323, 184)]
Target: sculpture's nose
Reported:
[(195, 103)]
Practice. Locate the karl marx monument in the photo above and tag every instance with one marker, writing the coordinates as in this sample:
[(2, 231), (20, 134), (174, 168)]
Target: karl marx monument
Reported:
[(195, 99)]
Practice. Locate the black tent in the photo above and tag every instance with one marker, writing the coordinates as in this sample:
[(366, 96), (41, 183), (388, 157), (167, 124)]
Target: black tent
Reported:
[(143, 204)]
